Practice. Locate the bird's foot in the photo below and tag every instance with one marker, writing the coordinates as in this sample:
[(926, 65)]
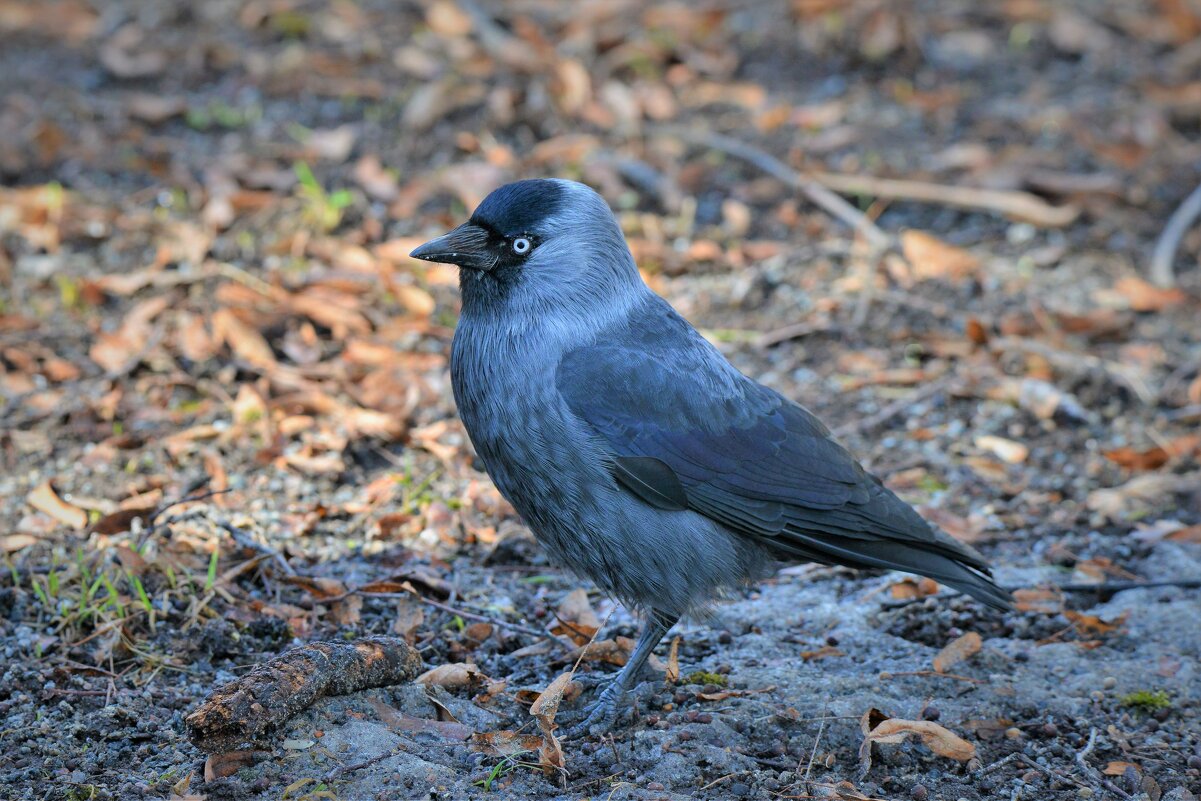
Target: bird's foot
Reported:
[(601, 714)]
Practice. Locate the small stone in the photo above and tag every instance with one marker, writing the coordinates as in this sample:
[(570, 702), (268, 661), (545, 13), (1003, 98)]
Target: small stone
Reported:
[(1097, 695), (931, 713), (919, 792), (1194, 762), (656, 786), (1084, 792), (704, 717), (684, 736), (1050, 730), (1109, 682), (725, 638), (1013, 733)]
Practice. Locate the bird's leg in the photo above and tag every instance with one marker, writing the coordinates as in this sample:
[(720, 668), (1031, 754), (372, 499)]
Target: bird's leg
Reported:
[(603, 711)]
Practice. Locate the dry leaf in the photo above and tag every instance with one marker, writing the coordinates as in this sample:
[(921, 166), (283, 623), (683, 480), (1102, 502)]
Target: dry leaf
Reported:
[(550, 754), (957, 650), (455, 674), (909, 589), (1142, 494), (1004, 449), (879, 728), (1047, 602), (933, 258), (218, 766), (613, 652), (577, 619), (1157, 457), (505, 743), (1146, 297), (11, 543), (1119, 768), (822, 653), (672, 671), (45, 499), (245, 342), (1091, 624)]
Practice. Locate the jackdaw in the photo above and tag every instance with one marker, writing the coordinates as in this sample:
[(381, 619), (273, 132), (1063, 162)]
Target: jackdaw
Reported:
[(639, 457)]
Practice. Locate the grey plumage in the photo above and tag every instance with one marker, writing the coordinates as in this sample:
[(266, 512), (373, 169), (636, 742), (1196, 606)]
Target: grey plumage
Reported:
[(637, 454)]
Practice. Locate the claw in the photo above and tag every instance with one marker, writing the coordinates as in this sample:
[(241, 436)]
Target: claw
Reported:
[(600, 715)]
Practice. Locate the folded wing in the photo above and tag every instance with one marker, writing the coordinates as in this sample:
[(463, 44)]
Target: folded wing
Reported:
[(687, 431)]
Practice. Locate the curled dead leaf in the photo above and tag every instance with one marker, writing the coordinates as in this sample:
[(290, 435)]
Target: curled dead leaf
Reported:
[(880, 728), (544, 710)]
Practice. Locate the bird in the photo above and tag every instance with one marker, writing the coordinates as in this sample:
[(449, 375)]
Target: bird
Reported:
[(637, 454)]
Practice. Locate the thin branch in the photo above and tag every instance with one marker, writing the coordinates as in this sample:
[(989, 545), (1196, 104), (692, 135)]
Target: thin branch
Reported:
[(813, 191), (1169, 241), (1022, 205), (865, 424)]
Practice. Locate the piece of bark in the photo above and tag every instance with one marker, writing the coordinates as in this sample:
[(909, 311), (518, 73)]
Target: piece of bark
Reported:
[(271, 693)]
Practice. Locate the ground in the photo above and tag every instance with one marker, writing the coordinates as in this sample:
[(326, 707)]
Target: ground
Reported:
[(205, 297)]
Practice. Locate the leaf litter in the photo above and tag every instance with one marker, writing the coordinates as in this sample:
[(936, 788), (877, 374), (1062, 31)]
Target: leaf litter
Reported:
[(211, 291)]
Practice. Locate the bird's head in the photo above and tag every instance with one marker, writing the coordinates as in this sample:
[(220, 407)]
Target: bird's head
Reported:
[(545, 243)]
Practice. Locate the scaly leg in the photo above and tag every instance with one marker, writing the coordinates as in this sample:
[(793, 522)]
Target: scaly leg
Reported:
[(604, 710)]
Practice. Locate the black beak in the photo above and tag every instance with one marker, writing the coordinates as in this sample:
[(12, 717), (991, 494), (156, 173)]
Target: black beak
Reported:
[(467, 246)]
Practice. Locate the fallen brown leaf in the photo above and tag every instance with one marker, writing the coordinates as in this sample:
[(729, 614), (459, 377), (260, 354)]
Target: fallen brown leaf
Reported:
[(46, 500), (822, 653), (1144, 296), (1004, 449), (1091, 624), (1156, 457), (454, 674), (957, 650), (880, 728), (1047, 602), (544, 710), (909, 589), (577, 619), (930, 257)]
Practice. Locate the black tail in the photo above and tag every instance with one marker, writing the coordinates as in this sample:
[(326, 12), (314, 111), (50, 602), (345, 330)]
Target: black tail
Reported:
[(967, 574)]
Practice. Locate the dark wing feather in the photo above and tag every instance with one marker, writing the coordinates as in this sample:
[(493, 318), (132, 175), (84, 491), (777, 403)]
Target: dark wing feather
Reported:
[(686, 430)]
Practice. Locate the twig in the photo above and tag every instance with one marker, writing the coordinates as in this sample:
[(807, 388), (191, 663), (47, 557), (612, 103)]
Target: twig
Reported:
[(721, 779), (1169, 241), (794, 331), (865, 424), (1092, 773), (342, 770), (1119, 586), (246, 541), (1070, 361), (812, 189), (1022, 205), (935, 674), (813, 754), (495, 621)]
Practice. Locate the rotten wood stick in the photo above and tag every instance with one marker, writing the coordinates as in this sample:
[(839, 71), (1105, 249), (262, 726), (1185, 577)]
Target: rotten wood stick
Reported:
[(274, 691)]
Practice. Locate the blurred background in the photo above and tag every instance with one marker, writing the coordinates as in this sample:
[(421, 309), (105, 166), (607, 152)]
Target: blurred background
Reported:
[(205, 217)]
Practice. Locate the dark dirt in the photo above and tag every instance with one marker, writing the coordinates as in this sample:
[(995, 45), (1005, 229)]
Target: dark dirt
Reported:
[(175, 131)]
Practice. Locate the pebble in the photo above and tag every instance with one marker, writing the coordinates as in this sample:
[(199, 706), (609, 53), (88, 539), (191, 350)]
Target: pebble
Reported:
[(1109, 682), (1013, 733), (919, 792), (1084, 792), (656, 786)]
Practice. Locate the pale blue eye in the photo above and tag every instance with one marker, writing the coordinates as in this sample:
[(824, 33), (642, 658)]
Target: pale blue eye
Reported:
[(521, 246)]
